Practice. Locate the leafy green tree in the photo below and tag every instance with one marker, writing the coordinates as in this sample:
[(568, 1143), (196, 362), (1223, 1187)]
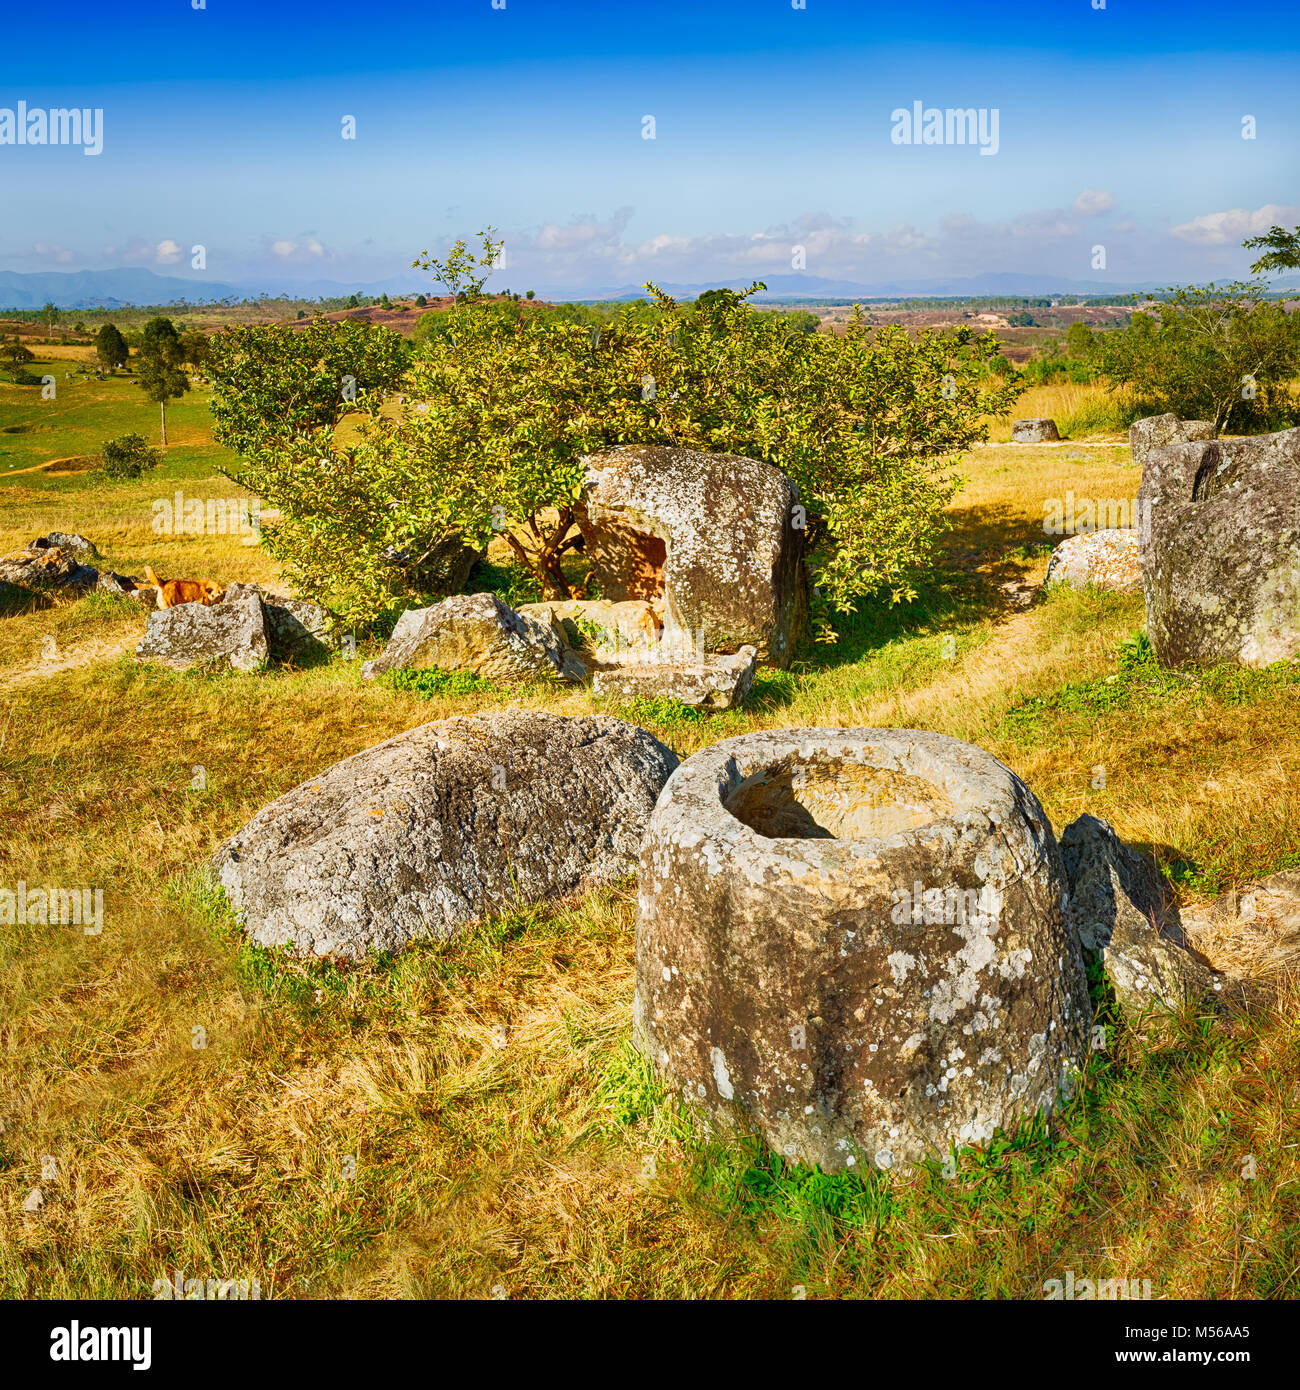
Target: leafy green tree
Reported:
[(1218, 354), (14, 355), (159, 371), (420, 301), (271, 381), (49, 316), (464, 273), (196, 349), (1079, 341), (111, 348), (503, 401), (530, 294), (1283, 252), (127, 457)]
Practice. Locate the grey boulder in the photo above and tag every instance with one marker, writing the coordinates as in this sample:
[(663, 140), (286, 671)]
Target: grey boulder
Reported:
[(223, 635), (442, 825), (296, 629), (480, 634), (855, 938), (1035, 431), (1221, 554), (1160, 431)]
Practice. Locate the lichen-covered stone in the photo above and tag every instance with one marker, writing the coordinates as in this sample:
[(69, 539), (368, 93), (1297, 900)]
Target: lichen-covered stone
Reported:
[(480, 634), (600, 624), (711, 683), (715, 539), (1122, 912), (42, 565), (1160, 431), (1221, 557), (229, 635), (856, 937), (1035, 431), (296, 629), (442, 825), (1105, 559)]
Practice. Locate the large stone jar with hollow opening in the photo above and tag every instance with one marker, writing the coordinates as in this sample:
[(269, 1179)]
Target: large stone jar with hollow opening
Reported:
[(854, 940)]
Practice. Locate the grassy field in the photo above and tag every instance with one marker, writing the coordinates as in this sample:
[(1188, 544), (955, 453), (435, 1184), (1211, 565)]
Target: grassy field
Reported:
[(358, 1132)]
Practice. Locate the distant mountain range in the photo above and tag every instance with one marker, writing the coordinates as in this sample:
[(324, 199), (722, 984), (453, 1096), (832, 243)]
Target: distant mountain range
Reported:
[(96, 289)]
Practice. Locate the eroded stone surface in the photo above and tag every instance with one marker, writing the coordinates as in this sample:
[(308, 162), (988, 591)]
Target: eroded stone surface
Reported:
[(1221, 561), (231, 635), (1036, 431), (712, 538), (480, 634), (43, 565), (856, 936), (1122, 911), (1160, 431), (441, 825), (296, 629), (1105, 559), (712, 683)]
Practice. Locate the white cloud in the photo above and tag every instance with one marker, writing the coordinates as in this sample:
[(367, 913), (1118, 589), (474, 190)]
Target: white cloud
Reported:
[(167, 252), (1092, 202), (1219, 228), (306, 248)]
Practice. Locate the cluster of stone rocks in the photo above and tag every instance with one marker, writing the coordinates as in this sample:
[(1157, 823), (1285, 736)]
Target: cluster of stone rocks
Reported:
[(243, 632), (867, 943), (61, 561), (698, 558)]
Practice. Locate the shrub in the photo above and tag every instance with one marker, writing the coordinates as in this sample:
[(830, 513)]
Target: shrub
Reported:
[(127, 457), (503, 400)]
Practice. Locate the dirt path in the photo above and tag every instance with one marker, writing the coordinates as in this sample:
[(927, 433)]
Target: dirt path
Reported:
[(105, 649)]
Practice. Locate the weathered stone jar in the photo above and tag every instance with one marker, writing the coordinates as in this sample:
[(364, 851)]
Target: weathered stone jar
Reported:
[(857, 937)]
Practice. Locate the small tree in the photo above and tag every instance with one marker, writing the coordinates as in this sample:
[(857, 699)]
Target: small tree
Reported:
[(273, 380), (158, 368), (1208, 353), (14, 355), (111, 348), (463, 273), (49, 316), (195, 349), (127, 457), (1079, 341), (1283, 252)]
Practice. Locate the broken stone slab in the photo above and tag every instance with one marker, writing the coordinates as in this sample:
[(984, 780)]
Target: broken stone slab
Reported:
[(1220, 573), (716, 683), (442, 567), (480, 634), (442, 825), (1035, 431), (297, 630), (1123, 913), (229, 635), (712, 540), (853, 939), (1105, 559), (1160, 431)]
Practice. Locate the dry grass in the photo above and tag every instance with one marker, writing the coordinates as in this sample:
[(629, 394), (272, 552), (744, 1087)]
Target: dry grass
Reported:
[(359, 1133)]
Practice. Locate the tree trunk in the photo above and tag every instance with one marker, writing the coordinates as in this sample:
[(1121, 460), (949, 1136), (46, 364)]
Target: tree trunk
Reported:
[(162, 405)]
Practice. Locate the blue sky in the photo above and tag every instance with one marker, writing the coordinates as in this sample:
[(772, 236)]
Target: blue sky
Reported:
[(1119, 127)]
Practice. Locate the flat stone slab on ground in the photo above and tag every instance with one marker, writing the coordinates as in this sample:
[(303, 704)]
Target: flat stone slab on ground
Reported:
[(716, 683)]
